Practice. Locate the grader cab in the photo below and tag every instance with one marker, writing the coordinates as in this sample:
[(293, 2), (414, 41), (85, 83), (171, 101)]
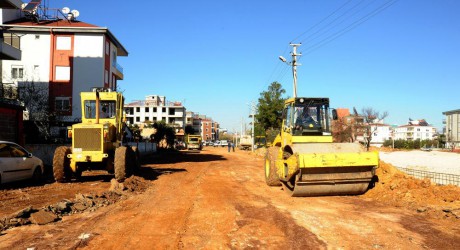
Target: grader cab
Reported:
[(97, 140), (306, 162)]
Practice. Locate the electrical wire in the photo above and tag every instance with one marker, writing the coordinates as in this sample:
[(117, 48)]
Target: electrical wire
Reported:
[(349, 28)]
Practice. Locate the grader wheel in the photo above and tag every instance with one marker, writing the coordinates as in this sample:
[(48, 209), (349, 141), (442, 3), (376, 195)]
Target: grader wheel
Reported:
[(271, 177), (61, 164), (136, 158), (121, 166)]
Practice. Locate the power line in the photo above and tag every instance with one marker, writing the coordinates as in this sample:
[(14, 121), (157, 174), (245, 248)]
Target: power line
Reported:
[(350, 27), (324, 19), (336, 19)]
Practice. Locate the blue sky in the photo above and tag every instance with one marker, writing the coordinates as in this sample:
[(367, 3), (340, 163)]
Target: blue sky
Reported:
[(218, 56)]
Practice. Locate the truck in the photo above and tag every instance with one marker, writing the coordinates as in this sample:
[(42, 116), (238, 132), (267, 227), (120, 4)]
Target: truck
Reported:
[(97, 140), (304, 159), (245, 142), (194, 142)]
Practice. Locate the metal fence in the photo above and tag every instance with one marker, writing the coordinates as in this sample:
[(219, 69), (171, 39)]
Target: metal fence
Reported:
[(438, 178)]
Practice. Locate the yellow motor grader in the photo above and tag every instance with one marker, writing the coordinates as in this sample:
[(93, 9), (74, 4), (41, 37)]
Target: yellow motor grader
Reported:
[(97, 140), (304, 159)]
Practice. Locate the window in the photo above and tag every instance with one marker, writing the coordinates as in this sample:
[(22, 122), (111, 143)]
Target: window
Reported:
[(63, 43), (17, 72), (107, 109), (138, 109), (154, 119), (106, 76), (154, 110), (62, 103), (107, 48), (114, 58), (146, 119), (163, 110), (138, 119), (62, 73), (172, 111), (146, 109)]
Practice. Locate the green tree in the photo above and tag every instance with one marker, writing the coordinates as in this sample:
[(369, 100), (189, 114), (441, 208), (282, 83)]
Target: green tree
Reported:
[(164, 135), (189, 130), (270, 106)]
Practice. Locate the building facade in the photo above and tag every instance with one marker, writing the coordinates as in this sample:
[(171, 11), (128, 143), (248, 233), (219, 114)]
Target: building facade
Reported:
[(415, 130), (154, 109), (452, 127), (61, 58)]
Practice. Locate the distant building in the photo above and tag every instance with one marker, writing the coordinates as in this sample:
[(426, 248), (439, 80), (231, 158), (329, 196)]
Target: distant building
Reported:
[(380, 133), (210, 129), (155, 108), (415, 130), (452, 129), (194, 120)]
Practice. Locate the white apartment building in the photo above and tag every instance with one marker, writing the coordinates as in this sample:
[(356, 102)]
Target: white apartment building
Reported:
[(62, 56), (155, 108), (415, 130), (380, 133), (452, 129)]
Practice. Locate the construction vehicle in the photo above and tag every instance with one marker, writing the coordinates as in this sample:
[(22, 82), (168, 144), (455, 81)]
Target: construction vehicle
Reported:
[(245, 142), (304, 159), (194, 142), (97, 140)]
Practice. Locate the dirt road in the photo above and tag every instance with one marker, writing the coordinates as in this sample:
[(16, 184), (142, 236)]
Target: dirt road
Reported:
[(215, 199)]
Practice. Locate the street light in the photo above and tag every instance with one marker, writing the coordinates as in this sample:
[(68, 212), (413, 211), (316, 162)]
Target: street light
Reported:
[(294, 65)]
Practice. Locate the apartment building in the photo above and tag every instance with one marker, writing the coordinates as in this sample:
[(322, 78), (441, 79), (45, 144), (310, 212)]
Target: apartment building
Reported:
[(60, 56), (452, 127), (415, 130), (155, 108)]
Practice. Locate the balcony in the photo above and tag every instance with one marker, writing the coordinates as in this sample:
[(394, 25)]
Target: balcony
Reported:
[(118, 70), (10, 47)]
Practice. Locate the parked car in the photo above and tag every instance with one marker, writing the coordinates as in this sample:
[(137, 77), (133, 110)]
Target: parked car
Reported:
[(17, 164), (224, 143), (216, 144)]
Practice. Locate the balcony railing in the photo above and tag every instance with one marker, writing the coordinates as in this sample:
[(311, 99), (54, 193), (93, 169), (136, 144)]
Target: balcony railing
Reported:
[(12, 39), (119, 68)]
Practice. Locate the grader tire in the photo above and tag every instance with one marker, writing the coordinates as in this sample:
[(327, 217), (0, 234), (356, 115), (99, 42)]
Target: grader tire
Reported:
[(271, 177), (136, 159), (61, 164), (121, 166)]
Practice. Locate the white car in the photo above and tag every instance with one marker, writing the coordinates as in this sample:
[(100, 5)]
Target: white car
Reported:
[(16, 164)]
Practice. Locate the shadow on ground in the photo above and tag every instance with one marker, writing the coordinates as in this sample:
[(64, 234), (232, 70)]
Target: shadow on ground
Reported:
[(171, 157)]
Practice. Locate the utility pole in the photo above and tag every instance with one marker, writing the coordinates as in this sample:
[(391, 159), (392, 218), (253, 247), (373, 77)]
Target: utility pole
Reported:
[(294, 65)]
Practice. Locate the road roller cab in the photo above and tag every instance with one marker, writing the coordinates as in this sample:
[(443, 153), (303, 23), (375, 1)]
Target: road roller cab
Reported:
[(304, 159), (96, 141)]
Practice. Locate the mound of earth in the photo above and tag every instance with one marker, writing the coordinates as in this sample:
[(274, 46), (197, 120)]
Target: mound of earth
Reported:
[(401, 190)]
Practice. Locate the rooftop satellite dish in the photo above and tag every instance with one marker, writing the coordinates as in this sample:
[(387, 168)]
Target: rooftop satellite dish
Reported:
[(66, 10), (75, 13)]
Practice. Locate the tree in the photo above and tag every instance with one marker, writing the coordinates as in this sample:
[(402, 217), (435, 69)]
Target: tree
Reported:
[(164, 135), (189, 130), (371, 117), (35, 97), (270, 106)]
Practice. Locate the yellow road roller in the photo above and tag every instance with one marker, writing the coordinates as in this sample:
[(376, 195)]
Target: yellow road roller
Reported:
[(305, 160)]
